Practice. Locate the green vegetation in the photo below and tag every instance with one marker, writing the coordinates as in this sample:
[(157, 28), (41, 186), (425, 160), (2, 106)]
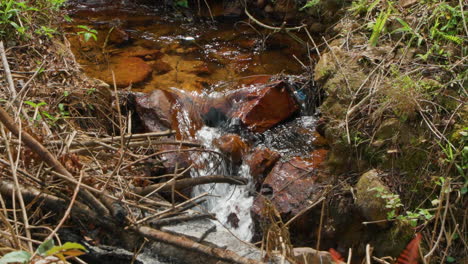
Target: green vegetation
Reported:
[(309, 4), (87, 32), (47, 251), (24, 20), (394, 204)]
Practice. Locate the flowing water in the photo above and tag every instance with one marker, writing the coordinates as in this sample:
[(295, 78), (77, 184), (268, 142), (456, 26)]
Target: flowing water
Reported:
[(230, 203), (196, 56)]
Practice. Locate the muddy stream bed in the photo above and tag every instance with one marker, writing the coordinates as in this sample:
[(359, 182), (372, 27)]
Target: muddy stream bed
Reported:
[(230, 86)]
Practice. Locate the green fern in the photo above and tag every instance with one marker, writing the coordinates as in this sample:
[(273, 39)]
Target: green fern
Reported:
[(378, 27)]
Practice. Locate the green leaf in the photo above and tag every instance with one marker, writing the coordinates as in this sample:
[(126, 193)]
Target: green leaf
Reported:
[(16, 256), (65, 247), (378, 27), (309, 4), (45, 246), (67, 18), (87, 36), (32, 104), (182, 3), (450, 259)]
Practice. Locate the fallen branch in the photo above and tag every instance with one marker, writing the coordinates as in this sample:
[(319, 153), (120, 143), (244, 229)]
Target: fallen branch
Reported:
[(185, 243), (93, 141), (185, 183), (79, 211)]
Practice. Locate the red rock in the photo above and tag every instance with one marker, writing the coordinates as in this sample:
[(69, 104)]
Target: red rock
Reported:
[(161, 67), (267, 107), (233, 145), (156, 110), (118, 36), (291, 185), (168, 109), (261, 161), (127, 70)]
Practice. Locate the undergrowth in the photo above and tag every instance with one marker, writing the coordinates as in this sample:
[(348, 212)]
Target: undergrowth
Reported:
[(413, 102), (28, 19)]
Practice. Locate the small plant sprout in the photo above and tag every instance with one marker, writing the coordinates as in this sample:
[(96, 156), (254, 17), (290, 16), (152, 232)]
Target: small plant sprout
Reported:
[(87, 32)]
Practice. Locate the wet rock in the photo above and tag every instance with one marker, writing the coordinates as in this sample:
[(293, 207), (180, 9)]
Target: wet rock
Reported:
[(118, 36), (214, 118), (233, 145), (306, 255), (261, 161), (175, 161), (319, 140), (144, 53), (155, 110), (233, 220), (127, 71), (292, 184), (367, 197), (161, 67), (266, 107)]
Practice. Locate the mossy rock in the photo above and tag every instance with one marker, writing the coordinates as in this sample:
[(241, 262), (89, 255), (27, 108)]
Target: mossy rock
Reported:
[(394, 240), (367, 197)]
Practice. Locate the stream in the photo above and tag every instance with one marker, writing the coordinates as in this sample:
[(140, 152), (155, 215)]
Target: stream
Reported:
[(212, 70)]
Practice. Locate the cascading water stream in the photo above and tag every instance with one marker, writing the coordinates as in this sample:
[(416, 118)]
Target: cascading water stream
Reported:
[(230, 203)]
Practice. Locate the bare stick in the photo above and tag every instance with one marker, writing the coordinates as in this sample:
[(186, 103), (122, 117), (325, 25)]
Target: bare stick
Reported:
[(92, 141), (279, 29), (6, 69), (368, 254), (319, 235)]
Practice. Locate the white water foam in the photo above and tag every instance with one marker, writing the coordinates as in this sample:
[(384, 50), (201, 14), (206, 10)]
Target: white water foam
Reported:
[(230, 203)]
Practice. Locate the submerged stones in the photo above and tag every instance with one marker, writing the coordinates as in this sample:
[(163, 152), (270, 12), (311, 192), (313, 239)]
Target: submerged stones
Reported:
[(127, 71)]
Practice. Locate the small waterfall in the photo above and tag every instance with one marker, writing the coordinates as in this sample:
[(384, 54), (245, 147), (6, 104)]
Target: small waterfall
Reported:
[(230, 203)]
